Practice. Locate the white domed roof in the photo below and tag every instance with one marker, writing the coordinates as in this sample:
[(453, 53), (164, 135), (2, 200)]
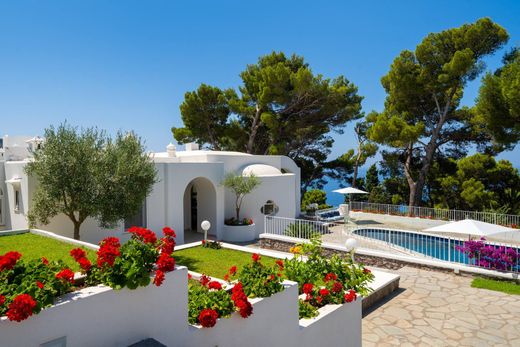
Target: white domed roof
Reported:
[(261, 170)]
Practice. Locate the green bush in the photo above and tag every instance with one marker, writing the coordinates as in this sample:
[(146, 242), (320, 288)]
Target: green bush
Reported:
[(200, 298), (302, 230), (259, 280)]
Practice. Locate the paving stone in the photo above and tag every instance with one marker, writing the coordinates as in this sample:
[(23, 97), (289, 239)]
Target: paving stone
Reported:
[(442, 309)]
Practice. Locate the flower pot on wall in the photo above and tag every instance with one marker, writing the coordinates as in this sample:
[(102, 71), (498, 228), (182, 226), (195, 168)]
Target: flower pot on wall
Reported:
[(239, 233)]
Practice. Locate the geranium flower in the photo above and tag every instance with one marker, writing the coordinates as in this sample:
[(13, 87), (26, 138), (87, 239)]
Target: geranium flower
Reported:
[(159, 278), (85, 264), (366, 271), (143, 234), (39, 284), (307, 288), (9, 260), (66, 275), (167, 231), (166, 262), (233, 270), (324, 292), (330, 277), (337, 287), (167, 245), (21, 308), (189, 276), (208, 318), (215, 285), (45, 261), (280, 264), (350, 295), (256, 257), (78, 253), (204, 280), (226, 277), (2, 300)]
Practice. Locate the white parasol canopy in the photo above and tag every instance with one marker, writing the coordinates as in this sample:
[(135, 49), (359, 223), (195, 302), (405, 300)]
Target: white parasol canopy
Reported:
[(350, 190), (470, 227)]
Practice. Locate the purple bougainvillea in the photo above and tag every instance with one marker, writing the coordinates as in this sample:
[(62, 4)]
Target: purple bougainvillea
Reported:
[(490, 256)]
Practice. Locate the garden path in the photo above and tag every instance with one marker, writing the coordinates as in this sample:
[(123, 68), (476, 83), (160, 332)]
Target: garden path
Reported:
[(439, 309)]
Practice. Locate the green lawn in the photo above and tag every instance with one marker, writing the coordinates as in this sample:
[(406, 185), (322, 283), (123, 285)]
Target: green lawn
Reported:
[(496, 285), (33, 246), (215, 262)]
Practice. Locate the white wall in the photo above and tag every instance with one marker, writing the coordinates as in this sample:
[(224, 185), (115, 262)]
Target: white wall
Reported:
[(99, 316), (18, 220)]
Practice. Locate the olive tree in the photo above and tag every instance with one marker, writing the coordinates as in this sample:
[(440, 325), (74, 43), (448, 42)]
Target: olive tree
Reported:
[(240, 186), (85, 173)]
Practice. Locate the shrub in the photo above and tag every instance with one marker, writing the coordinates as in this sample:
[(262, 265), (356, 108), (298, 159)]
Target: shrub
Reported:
[(489, 256), (211, 244), (28, 287), (257, 279), (130, 265), (207, 301), (306, 310), (302, 231)]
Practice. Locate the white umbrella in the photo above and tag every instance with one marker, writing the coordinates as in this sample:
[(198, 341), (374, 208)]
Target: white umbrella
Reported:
[(349, 190), (470, 227)]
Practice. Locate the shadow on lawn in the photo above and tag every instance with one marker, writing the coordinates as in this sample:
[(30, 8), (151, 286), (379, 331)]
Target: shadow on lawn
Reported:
[(189, 262)]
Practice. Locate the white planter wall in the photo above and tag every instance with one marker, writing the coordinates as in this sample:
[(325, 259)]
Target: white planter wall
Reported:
[(100, 316), (239, 233)]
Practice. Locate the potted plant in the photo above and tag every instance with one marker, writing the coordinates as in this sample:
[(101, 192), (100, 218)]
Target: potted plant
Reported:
[(235, 228)]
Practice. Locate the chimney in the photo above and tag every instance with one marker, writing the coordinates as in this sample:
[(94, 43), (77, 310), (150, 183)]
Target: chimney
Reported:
[(170, 149)]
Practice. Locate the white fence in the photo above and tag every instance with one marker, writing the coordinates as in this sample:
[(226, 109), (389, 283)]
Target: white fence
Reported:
[(436, 213), (416, 244)]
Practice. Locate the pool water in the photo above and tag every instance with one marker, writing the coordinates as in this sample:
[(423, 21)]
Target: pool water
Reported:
[(433, 246)]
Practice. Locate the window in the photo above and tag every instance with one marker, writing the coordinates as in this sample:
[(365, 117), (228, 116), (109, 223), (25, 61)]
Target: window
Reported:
[(16, 200), (269, 208), (137, 220)]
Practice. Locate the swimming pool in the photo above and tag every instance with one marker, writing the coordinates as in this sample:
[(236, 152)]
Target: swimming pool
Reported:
[(438, 247)]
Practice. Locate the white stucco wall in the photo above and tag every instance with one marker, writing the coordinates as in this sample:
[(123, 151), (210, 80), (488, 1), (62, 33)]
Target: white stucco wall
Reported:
[(166, 205), (99, 316)]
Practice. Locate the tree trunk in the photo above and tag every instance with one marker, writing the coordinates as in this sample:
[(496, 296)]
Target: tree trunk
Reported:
[(356, 166), (238, 213), (77, 225), (254, 129)]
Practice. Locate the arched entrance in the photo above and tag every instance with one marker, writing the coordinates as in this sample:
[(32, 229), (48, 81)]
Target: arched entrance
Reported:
[(200, 203)]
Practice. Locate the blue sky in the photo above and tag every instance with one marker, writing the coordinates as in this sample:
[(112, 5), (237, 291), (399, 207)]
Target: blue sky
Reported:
[(126, 65)]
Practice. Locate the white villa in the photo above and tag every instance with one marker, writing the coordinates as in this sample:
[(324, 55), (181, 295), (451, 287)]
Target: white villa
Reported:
[(189, 191)]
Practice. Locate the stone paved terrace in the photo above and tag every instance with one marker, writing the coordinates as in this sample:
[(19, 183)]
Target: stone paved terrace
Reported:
[(440, 309)]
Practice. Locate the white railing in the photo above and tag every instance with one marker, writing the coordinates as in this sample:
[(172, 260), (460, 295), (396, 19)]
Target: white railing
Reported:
[(509, 220), (298, 228), (416, 244)]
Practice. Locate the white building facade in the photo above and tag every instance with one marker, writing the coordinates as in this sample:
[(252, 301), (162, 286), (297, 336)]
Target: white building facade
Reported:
[(188, 191)]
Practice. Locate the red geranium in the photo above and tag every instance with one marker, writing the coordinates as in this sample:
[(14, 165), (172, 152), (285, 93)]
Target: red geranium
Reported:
[(39, 284), (45, 261), (279, 262), (166, 262), (245, 309), (146, 235), (204, 280), (366, 271), (21, 308), (159, 278), (337, 287), (189, 276), (108, 251), (66, 275), (208, 318), (85, 264), (307, 288), (233, 270), (350, 295), (256, 257), (78, 253), (167, 231), (214, 285), (8, 260), (226, 277), (330, 277), (2, 300), (319, 299), (324, 292), (167, 245)]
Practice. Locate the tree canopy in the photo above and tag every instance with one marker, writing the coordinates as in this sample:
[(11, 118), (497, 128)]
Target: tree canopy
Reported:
[(86, 174), (282, 108), (498, 103), (422, 114)]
